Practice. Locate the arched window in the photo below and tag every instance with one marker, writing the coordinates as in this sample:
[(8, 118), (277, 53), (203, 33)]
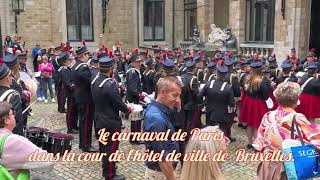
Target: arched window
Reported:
[(260, 21)]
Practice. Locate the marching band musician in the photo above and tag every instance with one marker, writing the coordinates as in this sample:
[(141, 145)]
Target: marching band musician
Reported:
[(220, 100), (273, 65), (190, 92), (12, 96), (108, 103), (183, 69), (199, 67), (310, 97), (66, 63), (211, 72), (94, 69), (134, 87), (61, 98), (81, 77), (297, 66), (287, 74), (18, 85), (232, 79), (149, 75)]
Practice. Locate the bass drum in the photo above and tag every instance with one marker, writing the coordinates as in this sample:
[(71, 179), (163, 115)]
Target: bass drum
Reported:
[(30, 82)]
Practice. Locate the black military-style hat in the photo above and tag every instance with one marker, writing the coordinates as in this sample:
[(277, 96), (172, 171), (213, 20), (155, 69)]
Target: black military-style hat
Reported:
[(311, 65), (286, 64), (64, 56), (23, 54), (212, 64), (191, 64), (256, 64), (149, 61), (166, 62), (10, 60), (107, 61), (228, 61), (82, 49), (222, 68), (95, 58), (266, 70), (197, 58), (246, 61), (4, 70)]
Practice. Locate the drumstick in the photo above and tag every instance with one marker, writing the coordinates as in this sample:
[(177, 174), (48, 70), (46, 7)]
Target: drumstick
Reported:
[(24, 111)]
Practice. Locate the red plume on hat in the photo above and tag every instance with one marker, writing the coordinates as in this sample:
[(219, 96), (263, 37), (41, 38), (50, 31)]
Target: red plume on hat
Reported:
[(105, 50), (160, 62), (136, 51), (315, 59), (1, 61), (164, 56), (312, 50), (111, 54), (213, 59), (83, 42), (221, 62), (14, 51), (149, 56)]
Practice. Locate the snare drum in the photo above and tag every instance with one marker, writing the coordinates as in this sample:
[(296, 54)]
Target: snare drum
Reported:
[(59, 143), (37, 135), (137, 113)]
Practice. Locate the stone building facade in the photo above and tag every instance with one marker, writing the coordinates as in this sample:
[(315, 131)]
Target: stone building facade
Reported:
[(262, 26)]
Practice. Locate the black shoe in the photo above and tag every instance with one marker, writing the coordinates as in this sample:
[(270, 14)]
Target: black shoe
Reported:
[(118, 177), (72, 131), (244, 127), (232, 139), (89, 149), (249, 146)]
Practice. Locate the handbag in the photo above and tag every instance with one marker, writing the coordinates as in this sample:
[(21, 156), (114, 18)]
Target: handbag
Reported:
[(23, 174), (306, 157)]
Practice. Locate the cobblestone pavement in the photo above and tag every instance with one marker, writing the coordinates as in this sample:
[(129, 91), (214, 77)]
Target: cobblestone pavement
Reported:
[(46, 115)]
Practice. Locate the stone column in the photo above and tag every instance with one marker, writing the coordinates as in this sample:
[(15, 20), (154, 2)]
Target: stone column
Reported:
[(237, 20), (293, 31), (205, 17)]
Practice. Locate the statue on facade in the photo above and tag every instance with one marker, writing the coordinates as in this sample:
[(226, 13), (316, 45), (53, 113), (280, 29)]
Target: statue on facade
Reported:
[(216, 37), (195, 36), (230, 40)]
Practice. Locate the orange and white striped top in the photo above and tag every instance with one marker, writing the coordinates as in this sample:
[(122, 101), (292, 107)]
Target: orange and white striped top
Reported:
[(267, 139)]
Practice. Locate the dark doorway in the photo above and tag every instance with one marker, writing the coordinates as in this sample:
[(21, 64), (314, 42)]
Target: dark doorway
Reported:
[(314, 41)]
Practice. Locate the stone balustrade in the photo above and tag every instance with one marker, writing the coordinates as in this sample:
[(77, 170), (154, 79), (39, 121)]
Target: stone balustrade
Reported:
[(260, 49)]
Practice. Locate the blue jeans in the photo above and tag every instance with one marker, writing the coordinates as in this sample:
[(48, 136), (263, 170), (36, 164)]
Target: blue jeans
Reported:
[(39, 88), (46, 83)]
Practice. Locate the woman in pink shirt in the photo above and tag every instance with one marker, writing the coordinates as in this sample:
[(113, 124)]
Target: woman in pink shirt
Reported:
[(46, 79)]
